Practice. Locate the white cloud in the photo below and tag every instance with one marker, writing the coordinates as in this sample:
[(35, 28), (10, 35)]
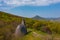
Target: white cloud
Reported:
[(30, 2), (15, 3)]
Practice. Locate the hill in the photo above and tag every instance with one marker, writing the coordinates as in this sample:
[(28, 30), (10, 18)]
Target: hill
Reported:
[(37, 17), (37, 29), (8, 23)]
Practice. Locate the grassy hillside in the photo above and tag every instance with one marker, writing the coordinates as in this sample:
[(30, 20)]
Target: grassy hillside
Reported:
[(8, 24), (37, 29)]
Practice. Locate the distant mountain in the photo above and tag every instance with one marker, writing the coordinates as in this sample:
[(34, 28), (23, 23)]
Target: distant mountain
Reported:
[(38, 18), (55, 19)]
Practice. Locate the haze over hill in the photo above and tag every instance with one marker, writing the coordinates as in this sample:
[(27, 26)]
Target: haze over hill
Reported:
[(37, 17)]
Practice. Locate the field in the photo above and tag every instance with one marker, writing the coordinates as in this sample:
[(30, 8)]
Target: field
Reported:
[(37, 29)]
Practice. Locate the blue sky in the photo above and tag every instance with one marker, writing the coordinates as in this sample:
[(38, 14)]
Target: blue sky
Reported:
[(30, 8)]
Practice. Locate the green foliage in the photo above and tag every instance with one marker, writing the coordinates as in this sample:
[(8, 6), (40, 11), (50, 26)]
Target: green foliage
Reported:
[(9, 22)]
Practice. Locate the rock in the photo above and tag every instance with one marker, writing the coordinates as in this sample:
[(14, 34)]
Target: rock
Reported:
[(21, 29)]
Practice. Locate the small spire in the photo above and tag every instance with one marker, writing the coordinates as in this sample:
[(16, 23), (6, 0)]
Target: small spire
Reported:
[(23, 21)]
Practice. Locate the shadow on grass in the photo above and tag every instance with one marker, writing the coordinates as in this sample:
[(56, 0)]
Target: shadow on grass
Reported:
[(28, 32)]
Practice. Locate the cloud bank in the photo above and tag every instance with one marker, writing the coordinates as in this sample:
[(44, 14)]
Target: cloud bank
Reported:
[(30, 2), (15, 3)]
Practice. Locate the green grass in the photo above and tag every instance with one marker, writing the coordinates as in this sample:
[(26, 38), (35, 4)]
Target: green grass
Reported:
[(30, 36), (9, 22)]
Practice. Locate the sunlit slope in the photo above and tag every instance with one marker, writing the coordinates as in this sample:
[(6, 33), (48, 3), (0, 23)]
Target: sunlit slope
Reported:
[(36, 28)]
